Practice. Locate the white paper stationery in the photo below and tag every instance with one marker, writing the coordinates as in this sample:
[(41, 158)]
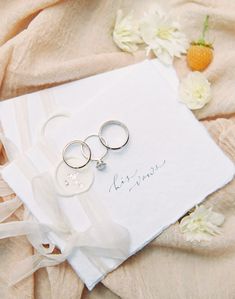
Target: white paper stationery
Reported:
[(35, 108), (169, 165)]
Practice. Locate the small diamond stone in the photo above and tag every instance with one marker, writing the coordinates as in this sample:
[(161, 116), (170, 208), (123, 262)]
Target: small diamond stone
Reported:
[(100, 165)]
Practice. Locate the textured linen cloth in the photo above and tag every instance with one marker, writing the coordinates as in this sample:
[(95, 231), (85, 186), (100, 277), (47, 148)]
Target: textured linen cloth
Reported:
[(44, 43)]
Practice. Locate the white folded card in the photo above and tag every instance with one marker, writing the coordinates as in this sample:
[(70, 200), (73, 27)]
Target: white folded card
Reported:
[(169, 165), (26, 113)]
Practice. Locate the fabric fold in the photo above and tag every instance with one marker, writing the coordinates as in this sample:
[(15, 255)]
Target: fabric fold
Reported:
[(8, 207)]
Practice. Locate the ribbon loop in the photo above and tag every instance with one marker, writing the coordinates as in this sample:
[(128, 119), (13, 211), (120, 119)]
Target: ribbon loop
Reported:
[(7, 208), (104, 239)]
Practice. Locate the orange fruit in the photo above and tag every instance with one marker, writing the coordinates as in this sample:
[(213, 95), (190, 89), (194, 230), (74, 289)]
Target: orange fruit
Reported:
[(199, 57), (200, 53)]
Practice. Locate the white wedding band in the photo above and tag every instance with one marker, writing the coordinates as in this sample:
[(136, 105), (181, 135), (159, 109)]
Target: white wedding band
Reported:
[(110, 123), (83, 144)]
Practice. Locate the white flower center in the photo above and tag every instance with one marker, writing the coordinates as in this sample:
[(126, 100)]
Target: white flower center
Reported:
[(164, 32), (199, 92), (123, 31)]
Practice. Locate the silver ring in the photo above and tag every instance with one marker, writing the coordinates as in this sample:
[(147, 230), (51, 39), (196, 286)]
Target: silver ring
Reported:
[(83, 144), (94, 158), (109, 123), (100, 164)]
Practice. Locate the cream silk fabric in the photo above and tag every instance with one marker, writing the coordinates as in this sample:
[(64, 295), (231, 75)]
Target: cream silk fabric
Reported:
[(44, 43)]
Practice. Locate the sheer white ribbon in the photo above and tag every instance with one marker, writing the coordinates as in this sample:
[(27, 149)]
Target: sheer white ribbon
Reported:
[(7, 208), (5, 190), (10, 148), (103, 239)]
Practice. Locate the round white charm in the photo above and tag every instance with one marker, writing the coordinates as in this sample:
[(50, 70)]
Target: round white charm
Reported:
[(69, 181)]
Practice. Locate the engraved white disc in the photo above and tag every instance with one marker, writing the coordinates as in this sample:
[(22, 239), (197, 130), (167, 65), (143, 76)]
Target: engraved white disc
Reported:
[(69, 181)]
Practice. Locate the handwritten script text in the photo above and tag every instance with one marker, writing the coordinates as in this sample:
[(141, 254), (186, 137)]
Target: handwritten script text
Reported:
[(134, 179)]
